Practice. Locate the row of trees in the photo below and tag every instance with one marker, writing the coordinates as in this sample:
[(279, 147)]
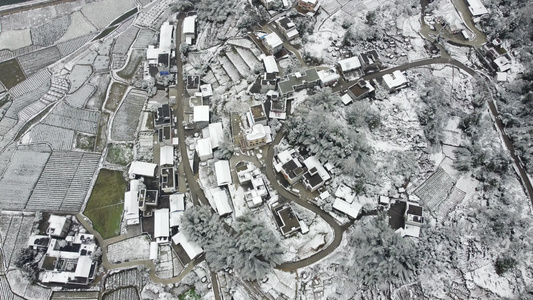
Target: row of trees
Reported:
[(252, 251)]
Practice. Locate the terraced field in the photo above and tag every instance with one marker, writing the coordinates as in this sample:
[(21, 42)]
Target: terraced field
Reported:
[(58, 138), (77, 119), (35, 61), (125, 278), (120, 294), (80, 97), (127, 117), (125, 40), (15, 230), (435, 189)]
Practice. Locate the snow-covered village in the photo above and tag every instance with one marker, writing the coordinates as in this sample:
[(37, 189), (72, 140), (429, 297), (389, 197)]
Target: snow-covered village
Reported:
[(266, 149)]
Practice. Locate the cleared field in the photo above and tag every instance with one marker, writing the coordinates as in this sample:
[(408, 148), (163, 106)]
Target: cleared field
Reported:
[(144, 38), (125, 40), (74, 295), (5, 156), (5, 290), (88, 57), (58, 138), (8, 54), (239, 63), (15, 231), (66, 116), (78, 76), (435, 189), (120, 154), (102, 13), (131, 277), (14, 39), (101, 63), (248, 56), (69, 46), (101, 137), (123, 293), (105, 205), (79, 26), (64, 182), (127, 117), (136, 57), (48, 33), (101, 81), (116, 93), (80, 97), (21, 176), (11, 74), (35, 61), (135, 248)]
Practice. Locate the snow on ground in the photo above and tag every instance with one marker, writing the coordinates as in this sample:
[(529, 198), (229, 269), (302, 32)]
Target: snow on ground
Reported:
[(135, 248), (15, 39), (299, 98), (20, 285), (79, 26), (280, 282), (486, 278)]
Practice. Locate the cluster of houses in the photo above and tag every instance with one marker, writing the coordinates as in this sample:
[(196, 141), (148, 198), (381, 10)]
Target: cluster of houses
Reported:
[(496, 58), (68, 256)]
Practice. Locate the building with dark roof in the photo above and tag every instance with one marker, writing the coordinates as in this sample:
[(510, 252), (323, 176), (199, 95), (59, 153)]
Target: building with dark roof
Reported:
[(298, 81), (288, 28), (293, 171), (286, 219), (193, 84), (361, 89), (162, 116)]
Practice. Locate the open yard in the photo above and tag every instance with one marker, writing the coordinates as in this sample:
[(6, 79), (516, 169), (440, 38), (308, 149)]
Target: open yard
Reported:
[(116, 93), (11, 73), (105, 204)]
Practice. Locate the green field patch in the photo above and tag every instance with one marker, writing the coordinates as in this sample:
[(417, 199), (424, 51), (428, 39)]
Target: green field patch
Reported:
[(105, 205), (120, 154), (190, 295), (116, 93), (11, 73)]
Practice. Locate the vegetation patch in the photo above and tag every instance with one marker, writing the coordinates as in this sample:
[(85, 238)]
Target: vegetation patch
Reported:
[(105, 204), (120, 154), (85, 142), (189, 295), (11, 74), (116, 93), (133, 64)]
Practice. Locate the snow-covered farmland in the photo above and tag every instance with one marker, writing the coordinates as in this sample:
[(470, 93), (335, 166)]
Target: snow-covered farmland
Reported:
[(21, 176), (124, 278), (48, 33), (77, 119), (21, 285), (135, 248), (58, 138), (80, 97), (150, 17), (69, 46), (79, 26), (64, 182), (15, 39), (35, 61), (15, 229), (125, 40), (78, 76), (167, 259), (144, 38), (87, 58), (101, 63), (102, 13), (123, 293), (25, 94), (127, 117)]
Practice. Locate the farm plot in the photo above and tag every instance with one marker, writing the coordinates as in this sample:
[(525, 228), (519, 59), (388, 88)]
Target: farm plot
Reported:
[(435, 189), (105, 204), (125, 25), (101, 64), (85, 142), (238, 63), (150, 17), (48, 33), (5, 156), (220, 75), (124, 278), (102, 13), (58, 138), (127, 117), (21, 176), (64, 182), (101, 81), (29, 85), (38, 60), (77, 119), (5, 289), (146, 146), (11, 74), (120, 154), (68, 47), (248, 57), (14, 39), (136, 57), (229, 68), (79, 26), (122, 293), (78, 76), (22, 286), (144, 38), (125, 40), (15, 233), (80, 97), (75, 295), (118, 61), (6, 124), (8, 54), (135, 248), (88, 58), (101, 137), (116, 93), (104, 47)]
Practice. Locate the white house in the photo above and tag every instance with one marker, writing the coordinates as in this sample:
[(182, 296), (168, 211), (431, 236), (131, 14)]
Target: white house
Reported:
[(223, 173), (271, 67), (201, 115), (177, 207), (222, 202), (350, 209), (161, 225), (142, 169), (166, 156), (394, 81), (192, 249), (131, 208), (476, 8), (273, 43), (328, 77), (204, 149), (349, 64), (216, 134), (189, 29)]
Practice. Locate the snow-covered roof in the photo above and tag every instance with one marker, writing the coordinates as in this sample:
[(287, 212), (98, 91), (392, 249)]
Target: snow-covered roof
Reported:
[(83, 268), (501, 76), (207, 90), (351, 210), (312, 162), (273, 40), (222, 202), (152, 53), (191, 248), (324, 195), (328, 76), (142, 168), (177, 202), (257, 132), (395, 79), (270, 64), (154, 253), (476, 8), (201, 113), (131, 207), (166, 155), (223, 172), (56, 224), (58, 277), (285, 156), (134, 185), (503, 63), (161, 223), (204, 148), (175, 218), (291, 33), (411, 230), (216, 134), (346, 99), (350, 64), (345, 193), (189, 24), (165, 37)]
